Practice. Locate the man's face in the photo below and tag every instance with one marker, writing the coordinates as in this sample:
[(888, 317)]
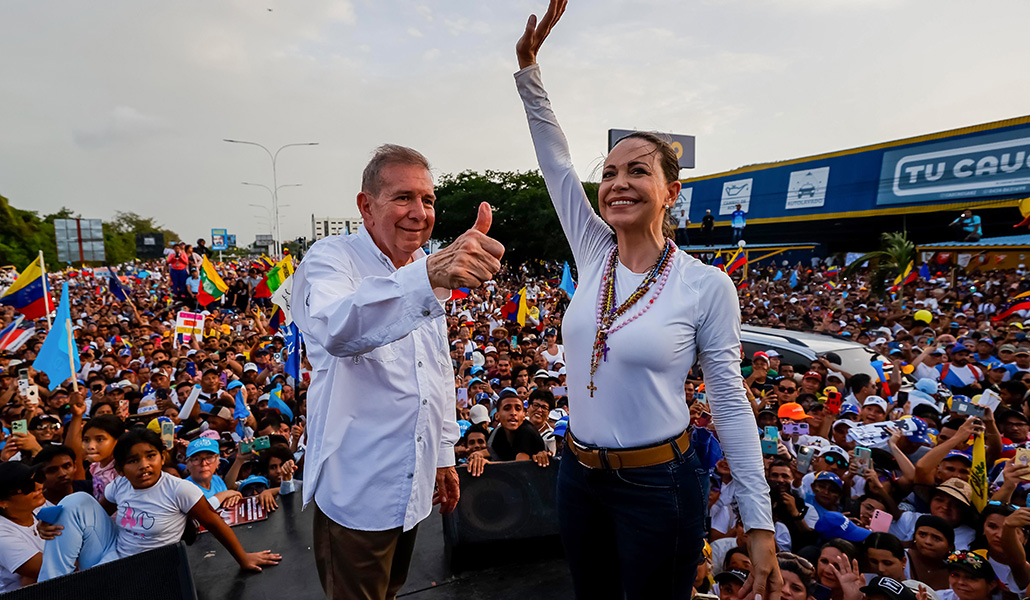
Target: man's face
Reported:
[(952, 468), (504, 366), (400, 218), (780, 476), (1015, 429), (511, 414), (47, 431), (688, 392), (826, 494), (786, 391), (476, 442), (961, 358), (58, 473), (810, 385)]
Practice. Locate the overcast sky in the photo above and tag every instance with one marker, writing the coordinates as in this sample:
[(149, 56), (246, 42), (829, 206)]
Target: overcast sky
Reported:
[(122, 104)]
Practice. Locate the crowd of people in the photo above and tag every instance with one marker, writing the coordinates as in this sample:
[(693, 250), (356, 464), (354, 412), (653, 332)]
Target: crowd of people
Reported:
[(153, 430)]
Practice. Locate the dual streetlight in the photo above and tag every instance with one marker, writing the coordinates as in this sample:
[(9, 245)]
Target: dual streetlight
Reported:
[(274, 190)]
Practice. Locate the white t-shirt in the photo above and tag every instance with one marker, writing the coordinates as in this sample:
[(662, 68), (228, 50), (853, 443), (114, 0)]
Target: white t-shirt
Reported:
[(19, 545), (905, 527), (152, 517), (924, 371)]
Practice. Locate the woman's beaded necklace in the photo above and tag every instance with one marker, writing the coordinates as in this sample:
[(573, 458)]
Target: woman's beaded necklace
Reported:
[(607, 312)]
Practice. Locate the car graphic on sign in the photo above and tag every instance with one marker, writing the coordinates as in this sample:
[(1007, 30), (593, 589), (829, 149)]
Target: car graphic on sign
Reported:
[(806, 190)]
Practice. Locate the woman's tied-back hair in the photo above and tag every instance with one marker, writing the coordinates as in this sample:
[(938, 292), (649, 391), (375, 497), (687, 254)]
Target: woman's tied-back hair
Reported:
[(388, 154), (670, 165)]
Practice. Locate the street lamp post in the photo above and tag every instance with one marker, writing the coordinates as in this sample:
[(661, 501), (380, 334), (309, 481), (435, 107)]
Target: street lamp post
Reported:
[(275, 186), (275, 196)]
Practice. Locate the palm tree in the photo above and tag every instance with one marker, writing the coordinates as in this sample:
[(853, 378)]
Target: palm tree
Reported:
[(887, 263)]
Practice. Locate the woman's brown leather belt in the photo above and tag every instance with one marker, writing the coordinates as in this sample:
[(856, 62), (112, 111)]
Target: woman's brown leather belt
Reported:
[(605, 458)]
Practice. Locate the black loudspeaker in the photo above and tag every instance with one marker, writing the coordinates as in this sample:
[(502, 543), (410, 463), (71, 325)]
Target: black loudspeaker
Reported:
[(161, 574), (150, 245), (509, 501)]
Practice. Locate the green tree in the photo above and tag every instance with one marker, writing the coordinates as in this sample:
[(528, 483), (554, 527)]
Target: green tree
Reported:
[(120, 235), (895, 253), (524, 219)]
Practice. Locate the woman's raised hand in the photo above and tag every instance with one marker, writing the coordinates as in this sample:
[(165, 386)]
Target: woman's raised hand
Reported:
[(535, 34)]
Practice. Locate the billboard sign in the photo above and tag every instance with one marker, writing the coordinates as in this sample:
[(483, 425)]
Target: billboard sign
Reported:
[(807, 188), (734, 193), (79, 240), (987, 165), (682, 144), (231, 240), (218, 239), (150, 245)]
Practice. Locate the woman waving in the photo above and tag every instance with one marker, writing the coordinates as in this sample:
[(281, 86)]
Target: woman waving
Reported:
[(631, 491)]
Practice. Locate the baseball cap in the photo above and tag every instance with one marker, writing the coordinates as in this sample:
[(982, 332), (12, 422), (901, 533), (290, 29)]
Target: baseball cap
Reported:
[(474, 380), (849, 408), (772, 353), (813, 375), (483, 397), (835, 449), (542, 373), (250, 367), (561, 426), (971, 562), (956, 348), (550, 331), (479, 414), (223, 412), (876, 401), (956, 455), (957, 489), (792, 411), (736, 575), (835, 525), (254, 480), (1006, 348), (829, 477), (201, 444), (890, 588), (927, 386), (761, 355)]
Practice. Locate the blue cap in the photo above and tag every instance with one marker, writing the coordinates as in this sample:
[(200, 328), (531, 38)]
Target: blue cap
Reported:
[(955, 454), (206, 407), (495, 382), (234, 384), (849, 408), (828, 476), (835, 525), (952, 349), (463, 426), (481, 398), (474, 380), (253, 480), (927, 386), (922, 433), (202, 444), (475, 370), (560, 426)]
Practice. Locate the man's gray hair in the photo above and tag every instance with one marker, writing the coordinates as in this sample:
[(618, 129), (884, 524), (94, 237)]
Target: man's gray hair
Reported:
[(388, 154)]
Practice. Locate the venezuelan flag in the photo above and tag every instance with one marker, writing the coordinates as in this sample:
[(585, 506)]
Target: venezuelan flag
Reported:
[(459, 293), (718, 263), (29, 294), (276, 320), (832, 272), (738, 261), (907, 276)]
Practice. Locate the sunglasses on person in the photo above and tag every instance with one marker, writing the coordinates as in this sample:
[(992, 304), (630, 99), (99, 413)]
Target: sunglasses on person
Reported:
[(833, 460), (47, 427), (787, 390)]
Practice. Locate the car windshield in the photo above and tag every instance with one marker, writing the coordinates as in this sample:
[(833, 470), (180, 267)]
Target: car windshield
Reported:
[(857, 360)]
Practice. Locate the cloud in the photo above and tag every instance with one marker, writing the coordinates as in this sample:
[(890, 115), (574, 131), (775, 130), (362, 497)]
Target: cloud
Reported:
[(414, 32), (123, 125)]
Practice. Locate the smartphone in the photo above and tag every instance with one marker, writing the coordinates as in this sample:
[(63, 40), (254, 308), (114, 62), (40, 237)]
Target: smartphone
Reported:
[(881, 521), (821, 592), (902, 398), (771, 433), (32, 395), (805, 455), (23, 382), (223, 378), (863, 458), (769, 447), (262, 443), (168, 434), (191, 368), (795, 428), (833, 402), (20, 426), (161, 394), (964, 407), (246, 447), (1023, 459), (468, 356), (123, 407), (463, 397)]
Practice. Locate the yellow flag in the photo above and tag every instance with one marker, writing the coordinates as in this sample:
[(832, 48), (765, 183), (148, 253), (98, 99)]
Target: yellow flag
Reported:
[(523, 309), (978, 474)]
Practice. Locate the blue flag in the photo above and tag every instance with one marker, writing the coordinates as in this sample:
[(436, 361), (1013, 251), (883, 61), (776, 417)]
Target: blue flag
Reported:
[(779, 276), (567, 284), (291, 361), (275, 401), (793, 279), (116, 288), (241, 411), (924, 272), (59, 356)]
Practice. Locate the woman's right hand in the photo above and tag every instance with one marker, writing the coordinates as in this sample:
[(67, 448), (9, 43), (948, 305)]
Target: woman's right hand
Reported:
[(47, 531), (535, 34)]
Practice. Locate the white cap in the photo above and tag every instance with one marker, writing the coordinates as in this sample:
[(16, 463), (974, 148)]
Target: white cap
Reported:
[(556, 414), (878, 341), (835, 449), (250, 367), (877, 401), (479, 414), (771, 353)]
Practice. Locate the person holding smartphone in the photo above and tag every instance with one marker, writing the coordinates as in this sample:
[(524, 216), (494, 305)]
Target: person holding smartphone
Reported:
[(631, 491)]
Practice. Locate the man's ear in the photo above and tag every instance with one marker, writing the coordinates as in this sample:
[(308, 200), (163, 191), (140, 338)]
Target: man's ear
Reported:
[(364, 202)]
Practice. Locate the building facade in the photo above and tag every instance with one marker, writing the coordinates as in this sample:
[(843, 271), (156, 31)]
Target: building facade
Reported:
[(326, 226)]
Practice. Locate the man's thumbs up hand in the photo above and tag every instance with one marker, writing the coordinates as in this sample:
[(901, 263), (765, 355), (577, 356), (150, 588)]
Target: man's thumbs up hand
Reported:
[(472, 259)]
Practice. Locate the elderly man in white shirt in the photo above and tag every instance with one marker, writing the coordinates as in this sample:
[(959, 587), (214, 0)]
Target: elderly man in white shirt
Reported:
[(382, 422)]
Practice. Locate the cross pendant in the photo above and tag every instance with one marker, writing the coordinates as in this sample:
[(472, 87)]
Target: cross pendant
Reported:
[(592, 388), (604, 351)]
